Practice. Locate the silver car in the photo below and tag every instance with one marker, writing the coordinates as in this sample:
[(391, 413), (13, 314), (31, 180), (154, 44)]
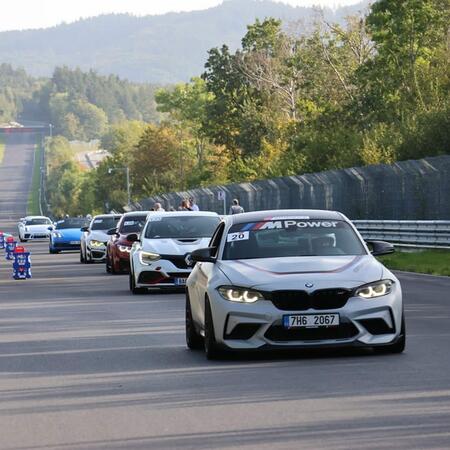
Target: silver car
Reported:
[(95, 237), (293, 278)]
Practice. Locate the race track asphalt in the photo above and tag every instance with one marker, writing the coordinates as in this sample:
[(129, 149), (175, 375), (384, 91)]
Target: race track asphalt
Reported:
[(86, 365)]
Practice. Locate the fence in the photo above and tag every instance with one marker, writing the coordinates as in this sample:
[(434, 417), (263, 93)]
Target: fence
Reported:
[(413, 190), (407, 233)]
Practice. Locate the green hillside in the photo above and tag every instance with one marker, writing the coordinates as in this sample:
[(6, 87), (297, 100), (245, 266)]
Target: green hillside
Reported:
[(161, 49)]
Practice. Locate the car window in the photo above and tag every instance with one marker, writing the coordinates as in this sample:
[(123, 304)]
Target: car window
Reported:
[(38, 222), (182, 227), (293, 237), (217, 237), (132, 224), (104, 223), (71, 223)]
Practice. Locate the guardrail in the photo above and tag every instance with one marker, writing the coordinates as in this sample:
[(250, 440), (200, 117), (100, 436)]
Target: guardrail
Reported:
[(407, 233)]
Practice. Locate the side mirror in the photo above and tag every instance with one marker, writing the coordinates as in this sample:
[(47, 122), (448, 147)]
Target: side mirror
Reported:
[(50, 228), (85, 229), (378, 248), (133, 237), (203, 255), (112, 232)]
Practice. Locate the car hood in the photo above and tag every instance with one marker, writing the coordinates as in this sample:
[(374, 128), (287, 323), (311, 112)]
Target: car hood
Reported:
[(295, 272), (122, 240), (98, 235), (174, 246), (70, 233), (38, 228)]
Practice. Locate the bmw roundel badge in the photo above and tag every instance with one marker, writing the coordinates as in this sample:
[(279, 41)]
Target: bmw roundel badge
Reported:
[(309, 285)]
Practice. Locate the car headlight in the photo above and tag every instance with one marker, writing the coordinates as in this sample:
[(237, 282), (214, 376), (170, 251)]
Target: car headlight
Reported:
[(240, 295), (376, 289), (96, 244), (57, 234), (147, 258), (124, 249)]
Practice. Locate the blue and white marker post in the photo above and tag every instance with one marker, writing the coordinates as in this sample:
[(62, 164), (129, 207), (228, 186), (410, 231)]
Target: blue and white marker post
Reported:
[(2, 240), (10, 247), (21, 264)]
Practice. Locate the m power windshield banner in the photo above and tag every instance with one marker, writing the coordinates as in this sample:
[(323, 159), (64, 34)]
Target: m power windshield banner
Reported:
[(288, 224)]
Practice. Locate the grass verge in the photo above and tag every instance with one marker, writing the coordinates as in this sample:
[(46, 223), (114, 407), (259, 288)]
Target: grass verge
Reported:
[(433, 262), (33, 196), (2, 149)]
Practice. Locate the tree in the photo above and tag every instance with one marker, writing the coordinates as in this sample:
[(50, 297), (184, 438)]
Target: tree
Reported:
[(187, 106), (411, 38), (158, 162)]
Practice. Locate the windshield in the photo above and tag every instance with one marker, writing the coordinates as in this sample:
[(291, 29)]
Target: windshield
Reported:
[(104, 223), (132, 224), (183, 227), (71, 223), (38, 222), (292, 237)]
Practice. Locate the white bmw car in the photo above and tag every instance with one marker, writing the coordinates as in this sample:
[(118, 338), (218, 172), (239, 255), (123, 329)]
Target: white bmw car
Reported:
[(292, 278), (158, 254), (95, 238), (34, 227)]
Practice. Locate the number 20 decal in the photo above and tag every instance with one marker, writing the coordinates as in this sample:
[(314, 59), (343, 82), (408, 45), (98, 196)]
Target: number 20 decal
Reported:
[(240, 236)]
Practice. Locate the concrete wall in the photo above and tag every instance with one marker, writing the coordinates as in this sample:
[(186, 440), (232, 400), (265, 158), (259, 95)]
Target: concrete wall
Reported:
[(405, 190)]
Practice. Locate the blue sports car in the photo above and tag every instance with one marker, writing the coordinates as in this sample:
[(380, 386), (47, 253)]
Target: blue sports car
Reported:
[(67, 234)]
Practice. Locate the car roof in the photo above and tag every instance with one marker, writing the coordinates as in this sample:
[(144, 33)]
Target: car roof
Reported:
[(184, 213), (36, 217), (101, 216), (259, 216), (137, 213)]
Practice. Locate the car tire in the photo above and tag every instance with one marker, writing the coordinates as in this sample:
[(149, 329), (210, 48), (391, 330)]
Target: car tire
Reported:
[(212, 350), (399, 345), (193, 339), (113, 268), (135, 290), (81, 257), (52, 252), (108, 264)]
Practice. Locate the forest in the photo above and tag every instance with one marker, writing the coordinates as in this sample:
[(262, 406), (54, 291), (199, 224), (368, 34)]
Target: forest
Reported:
[(79, 105), (375, 90)]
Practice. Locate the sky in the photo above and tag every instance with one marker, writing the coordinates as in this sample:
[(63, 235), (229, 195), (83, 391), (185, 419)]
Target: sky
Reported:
[(23, 14)]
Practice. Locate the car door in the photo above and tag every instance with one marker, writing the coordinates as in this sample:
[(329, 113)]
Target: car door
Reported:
[(204, 272)]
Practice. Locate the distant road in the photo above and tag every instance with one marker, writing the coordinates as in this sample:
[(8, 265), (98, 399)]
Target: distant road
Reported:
[(85, 365), (16, 173)]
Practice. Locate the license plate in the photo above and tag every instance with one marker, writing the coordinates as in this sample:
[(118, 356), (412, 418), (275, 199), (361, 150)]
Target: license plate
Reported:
[(74, 242), (180, 281), (311, 320)]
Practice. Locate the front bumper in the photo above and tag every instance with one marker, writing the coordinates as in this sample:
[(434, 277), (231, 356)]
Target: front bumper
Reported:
[(120, 259), (260, 325), (30, 235), (96, 254), (160, 274), (64, 245)]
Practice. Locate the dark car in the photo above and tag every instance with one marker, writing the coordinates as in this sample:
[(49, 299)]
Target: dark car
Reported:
[(119, 247)]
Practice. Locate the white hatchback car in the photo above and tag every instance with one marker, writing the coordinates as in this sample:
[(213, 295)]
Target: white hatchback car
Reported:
[(34, 227), (158, 255), (292, 278)]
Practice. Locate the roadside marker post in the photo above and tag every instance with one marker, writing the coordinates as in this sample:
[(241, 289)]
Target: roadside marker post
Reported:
[(2, 240), (21, 264), (10, 246)]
